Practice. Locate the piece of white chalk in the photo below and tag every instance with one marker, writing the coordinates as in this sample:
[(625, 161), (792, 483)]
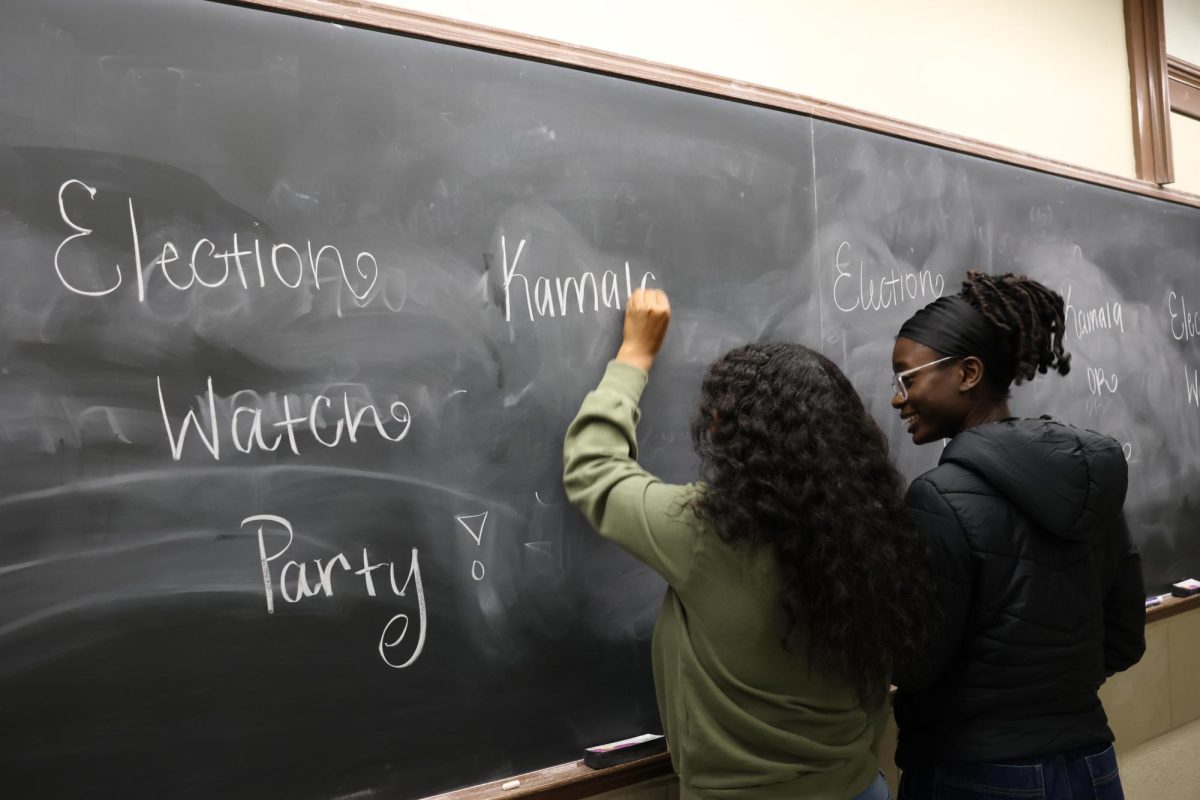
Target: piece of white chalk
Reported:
[(510, 785)]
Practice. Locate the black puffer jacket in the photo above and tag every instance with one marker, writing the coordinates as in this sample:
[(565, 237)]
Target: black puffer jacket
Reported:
[(1041, 590)]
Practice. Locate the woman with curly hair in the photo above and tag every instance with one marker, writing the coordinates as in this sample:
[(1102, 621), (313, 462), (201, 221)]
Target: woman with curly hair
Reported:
[(1038, 581), (794, 575)]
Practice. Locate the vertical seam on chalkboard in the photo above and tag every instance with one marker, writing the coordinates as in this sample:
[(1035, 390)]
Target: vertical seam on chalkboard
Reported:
[(812, 141)]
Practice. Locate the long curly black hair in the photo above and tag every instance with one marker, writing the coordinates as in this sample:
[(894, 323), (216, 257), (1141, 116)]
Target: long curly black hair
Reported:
[(1028, 317), (791, 459)]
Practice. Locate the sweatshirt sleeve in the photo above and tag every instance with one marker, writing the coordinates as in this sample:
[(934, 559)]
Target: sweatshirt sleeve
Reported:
[(1125, 607), (948, 561), (622, 501)]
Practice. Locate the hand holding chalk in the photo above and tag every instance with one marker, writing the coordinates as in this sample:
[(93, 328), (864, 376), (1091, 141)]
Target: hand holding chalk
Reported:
[(647, 315)]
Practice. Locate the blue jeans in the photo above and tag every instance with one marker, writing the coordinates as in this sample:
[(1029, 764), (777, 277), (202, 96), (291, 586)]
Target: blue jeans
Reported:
[(876, 791), (1089, 773)]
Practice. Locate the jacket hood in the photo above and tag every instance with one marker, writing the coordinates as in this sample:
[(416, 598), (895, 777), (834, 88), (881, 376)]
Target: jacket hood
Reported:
[(1065, 479)]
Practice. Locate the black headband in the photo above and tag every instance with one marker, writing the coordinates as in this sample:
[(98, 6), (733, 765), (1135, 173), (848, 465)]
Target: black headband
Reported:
[(953, 327)]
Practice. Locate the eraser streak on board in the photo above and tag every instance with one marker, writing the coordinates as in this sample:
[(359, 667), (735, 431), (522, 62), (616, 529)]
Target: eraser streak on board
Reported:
[(624, 751)]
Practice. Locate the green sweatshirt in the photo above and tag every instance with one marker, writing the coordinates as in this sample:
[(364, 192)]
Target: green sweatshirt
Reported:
[(744, 717)]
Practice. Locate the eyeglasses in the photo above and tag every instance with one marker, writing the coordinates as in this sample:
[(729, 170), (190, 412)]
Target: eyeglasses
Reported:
[(898, 384)]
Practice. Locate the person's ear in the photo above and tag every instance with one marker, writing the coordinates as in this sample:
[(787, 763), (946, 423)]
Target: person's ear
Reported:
[(970, 373)]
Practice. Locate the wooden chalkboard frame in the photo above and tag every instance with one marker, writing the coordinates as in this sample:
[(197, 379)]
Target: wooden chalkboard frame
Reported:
[(574, 780), (1145, 39), (1173, 606), (566, 781)]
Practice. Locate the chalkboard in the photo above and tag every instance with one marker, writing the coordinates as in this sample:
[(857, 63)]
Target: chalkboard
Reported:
[(897, 219), (293, 316)]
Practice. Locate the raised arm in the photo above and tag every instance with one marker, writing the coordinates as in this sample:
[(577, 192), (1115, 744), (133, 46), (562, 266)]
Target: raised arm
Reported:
[(622, 501)]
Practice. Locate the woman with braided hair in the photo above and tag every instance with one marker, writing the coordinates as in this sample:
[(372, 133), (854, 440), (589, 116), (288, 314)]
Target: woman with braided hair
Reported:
[(795, 578), (1039, 586)]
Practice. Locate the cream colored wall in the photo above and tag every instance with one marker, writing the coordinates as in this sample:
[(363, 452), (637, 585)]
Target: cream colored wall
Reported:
[(1182, 21), (1185, 145), (1161, 692), (1050, 78)]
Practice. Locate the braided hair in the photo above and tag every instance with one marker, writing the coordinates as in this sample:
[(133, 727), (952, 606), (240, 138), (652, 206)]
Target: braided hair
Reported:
[(1028, 316)]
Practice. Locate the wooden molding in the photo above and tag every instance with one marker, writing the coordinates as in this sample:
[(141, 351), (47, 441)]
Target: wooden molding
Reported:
[(1184, 80), (1145, 39), (427, 26), (567, 781), (1171, 607)]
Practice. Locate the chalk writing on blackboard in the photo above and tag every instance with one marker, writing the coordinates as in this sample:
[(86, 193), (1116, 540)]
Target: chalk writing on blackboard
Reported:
[(473, 523), (212, 269), (883, 290), (568, 292), (289, 412), (1100, 382), (1184, 325), (1084, 321), (394, 632)]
